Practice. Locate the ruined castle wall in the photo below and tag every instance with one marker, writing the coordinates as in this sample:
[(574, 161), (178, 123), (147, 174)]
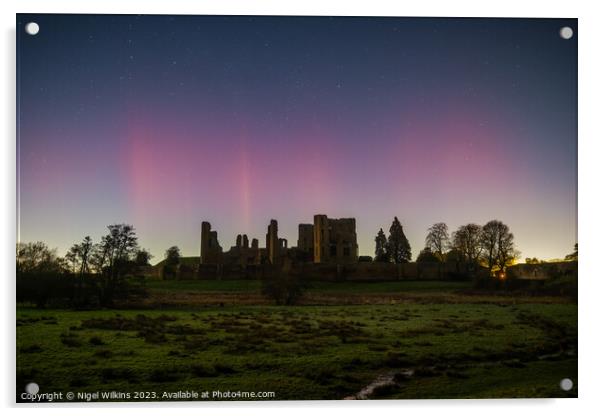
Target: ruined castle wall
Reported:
[(353, 272), (272, 242), (344, 240), (335, 240), (358, 271), (305, 241), (210, 249), (542, 271), (321, 239), (230, 272)]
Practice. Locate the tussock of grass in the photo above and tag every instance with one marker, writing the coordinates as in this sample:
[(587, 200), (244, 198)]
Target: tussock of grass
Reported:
[(30, 349), (165, 374), (96, 341), (203, 370), (109, 374), (104, 353), (71, 340)]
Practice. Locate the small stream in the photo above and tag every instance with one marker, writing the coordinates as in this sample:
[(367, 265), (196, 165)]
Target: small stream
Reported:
[(383, 380), (389, 378)]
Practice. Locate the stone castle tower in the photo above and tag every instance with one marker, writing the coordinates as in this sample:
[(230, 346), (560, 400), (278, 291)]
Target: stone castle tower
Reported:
[(211, 252), (335, 240)]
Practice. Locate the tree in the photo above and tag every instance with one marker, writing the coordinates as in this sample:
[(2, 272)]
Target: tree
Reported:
[(437, 239), (37, 258), (172, 261), (454, 256), (506, 252), (172, 256), (427, 256), (43, 277), (398, 246), (380, 253), (85, 247), (114, 258), (489, 243), (498, 245), (119, 245), (98, 257), (142, 257), (467, 241), (574, 256), (72, 260), (79, 256)]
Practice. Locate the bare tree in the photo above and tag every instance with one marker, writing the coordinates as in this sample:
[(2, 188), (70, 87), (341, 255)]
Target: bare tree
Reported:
[(467, 241), (437, 239), (37, 257), (79, 255), (72, 259), (489, 237), (85, 248), (498, 245), (506, 253), (98, 257)]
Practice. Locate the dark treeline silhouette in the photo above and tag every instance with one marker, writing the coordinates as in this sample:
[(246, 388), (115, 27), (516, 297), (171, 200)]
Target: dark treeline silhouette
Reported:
[(113, 269), (90, 274), (490, 246), (395, 248)]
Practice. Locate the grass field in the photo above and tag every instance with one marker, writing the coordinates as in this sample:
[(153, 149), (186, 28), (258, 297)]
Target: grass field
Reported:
[(171, 286), (416, 349), (187, 294)]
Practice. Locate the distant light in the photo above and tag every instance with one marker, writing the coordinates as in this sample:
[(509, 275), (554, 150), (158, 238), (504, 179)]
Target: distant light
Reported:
[(566, 32), (32, 28)]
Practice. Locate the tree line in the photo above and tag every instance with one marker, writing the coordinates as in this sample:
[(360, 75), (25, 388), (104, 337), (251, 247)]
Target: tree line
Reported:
[(89, 273), (491, 245), (574, 256)]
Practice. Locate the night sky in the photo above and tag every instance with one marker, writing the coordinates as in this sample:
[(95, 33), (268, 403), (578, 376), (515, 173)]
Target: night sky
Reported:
[(164, 121)]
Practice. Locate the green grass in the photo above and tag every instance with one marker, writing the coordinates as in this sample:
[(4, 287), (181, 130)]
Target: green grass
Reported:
[(491, 380), (308, 352)]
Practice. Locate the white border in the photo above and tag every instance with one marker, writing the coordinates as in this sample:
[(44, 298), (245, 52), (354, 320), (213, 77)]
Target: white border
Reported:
[(590, 68)]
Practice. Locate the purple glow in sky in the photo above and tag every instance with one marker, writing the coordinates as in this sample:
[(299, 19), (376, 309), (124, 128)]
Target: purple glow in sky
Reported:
[(164, 122)]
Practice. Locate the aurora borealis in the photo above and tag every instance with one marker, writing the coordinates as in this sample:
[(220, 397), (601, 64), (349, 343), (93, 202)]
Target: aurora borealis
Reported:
[(165, 121)]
